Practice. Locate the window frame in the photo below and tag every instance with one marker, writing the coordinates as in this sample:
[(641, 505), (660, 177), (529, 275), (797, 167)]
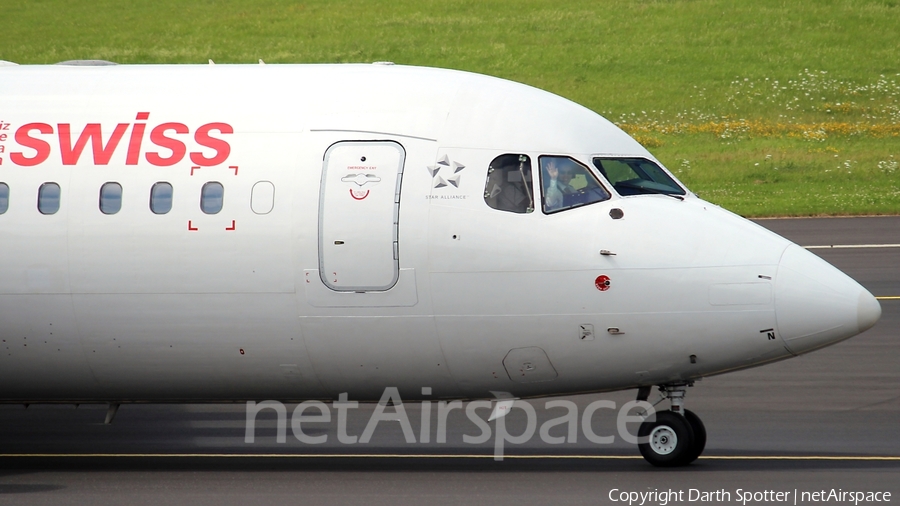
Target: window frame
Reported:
[(527, 185), (40, 198), (587, 169), (105, 185), (256, 198), (5, 207), (170, 200), (678, 191), (203, 197)]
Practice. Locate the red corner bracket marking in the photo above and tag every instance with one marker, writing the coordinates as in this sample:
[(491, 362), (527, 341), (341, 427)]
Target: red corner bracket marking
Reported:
[(231, 227), (235, 167), (191, 227), (193, 169)]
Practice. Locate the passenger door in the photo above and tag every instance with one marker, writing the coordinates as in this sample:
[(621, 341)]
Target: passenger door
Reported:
[(359, 208)]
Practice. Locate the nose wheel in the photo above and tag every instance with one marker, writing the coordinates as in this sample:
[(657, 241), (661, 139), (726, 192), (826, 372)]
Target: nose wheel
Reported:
[(699, 436), (676, 437)]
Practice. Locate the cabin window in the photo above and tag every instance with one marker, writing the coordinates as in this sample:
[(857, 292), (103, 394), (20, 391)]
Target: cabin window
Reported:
[(4, 197), (565, 184), (262, 198), (48, 198), (637, 176), (110, 198), (211, 197), (161, 198), (509, 183)]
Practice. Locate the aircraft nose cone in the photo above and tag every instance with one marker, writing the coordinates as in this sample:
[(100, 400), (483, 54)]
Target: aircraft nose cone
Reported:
[(868, 311), (816, 304)]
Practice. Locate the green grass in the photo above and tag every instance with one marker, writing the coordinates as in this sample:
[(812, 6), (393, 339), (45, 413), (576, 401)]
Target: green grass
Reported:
[(793, 177), (679, 74)]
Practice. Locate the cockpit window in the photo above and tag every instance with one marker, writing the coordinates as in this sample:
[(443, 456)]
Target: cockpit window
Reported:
[(508, 185), (637, 176), (566, 183)]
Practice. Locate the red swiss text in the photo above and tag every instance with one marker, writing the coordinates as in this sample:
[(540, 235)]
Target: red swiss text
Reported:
[(168, 143)]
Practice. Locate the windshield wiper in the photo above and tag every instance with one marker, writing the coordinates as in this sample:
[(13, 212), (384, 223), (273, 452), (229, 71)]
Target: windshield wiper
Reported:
[(649, 190)]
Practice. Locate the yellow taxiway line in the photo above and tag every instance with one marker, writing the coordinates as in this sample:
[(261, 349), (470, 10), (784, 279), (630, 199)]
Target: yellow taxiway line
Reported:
[(874, 458)]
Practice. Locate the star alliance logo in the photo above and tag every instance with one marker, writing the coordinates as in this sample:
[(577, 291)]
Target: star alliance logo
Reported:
[(451, 179)]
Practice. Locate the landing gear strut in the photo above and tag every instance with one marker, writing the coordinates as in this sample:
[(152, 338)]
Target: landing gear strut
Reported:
[(677, 436)]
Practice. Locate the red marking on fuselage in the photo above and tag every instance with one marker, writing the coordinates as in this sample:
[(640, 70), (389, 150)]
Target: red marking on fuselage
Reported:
[(602, 283), (354, 192), (191, 227), (34, 137), (235, 167), (70, 153), (193, 169), (222, 148), (232, 227), (41, 147)]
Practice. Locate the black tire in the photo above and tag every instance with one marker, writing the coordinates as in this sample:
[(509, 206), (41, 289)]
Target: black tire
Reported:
[(699, 436), (668, 440)]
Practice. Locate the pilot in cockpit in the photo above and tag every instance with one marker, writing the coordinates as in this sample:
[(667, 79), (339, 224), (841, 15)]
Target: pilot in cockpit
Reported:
[(556, 179), (566, 184), (564, 179)]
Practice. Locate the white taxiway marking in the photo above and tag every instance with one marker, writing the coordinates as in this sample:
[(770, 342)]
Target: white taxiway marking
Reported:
[(850, 246)]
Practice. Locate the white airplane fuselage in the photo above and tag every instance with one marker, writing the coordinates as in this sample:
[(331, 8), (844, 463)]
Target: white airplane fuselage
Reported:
[(355, 249)]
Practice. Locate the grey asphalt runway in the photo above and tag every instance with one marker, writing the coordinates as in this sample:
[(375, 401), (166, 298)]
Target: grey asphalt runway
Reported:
[(822, 422)]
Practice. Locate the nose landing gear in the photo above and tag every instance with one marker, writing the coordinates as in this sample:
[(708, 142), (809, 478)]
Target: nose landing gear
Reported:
[(677, 436)]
